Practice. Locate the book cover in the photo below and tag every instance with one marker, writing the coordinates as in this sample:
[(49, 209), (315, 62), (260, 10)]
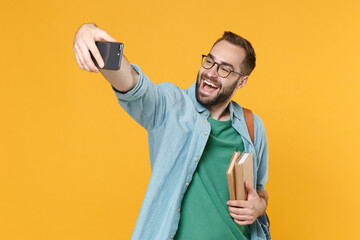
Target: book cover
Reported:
[(230, 174), (240, 170)]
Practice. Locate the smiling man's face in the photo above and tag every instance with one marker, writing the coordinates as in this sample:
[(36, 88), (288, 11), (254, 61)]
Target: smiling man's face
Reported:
[(211, 89)]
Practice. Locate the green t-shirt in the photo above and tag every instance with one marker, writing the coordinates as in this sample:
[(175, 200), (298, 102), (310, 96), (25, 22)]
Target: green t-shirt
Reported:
[(204, 212)]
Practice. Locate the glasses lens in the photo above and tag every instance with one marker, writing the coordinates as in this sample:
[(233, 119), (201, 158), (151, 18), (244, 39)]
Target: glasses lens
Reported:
[(207, 62), (224, 70)]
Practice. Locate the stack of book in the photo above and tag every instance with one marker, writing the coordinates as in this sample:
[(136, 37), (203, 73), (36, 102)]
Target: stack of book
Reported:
[(240, 170)]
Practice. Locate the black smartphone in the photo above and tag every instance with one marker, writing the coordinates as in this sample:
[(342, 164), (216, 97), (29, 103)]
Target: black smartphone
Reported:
[(111, 53)]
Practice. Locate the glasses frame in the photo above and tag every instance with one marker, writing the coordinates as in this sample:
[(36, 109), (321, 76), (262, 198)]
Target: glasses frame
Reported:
[(218, 66)]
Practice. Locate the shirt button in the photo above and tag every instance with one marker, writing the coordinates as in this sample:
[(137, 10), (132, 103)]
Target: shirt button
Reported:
[(172, 236), (196, 159), (205, 133), (206, 113), (178, 209), (187, 184)]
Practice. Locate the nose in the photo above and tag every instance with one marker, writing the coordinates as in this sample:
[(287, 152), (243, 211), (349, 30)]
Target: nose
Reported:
[(212, 72)]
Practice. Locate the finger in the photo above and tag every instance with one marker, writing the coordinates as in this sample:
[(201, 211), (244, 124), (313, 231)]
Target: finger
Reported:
[(88, 63), (249, 188), (86, 68), (241, 217), (242, 223), (78, 61), (79, 58), (240, 211), (95, 52)]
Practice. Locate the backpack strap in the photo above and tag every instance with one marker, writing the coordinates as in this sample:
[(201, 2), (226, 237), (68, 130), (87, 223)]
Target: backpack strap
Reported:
[(249, 119)]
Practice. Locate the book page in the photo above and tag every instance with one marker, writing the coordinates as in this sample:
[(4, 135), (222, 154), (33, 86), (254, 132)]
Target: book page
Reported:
[(243, 158)]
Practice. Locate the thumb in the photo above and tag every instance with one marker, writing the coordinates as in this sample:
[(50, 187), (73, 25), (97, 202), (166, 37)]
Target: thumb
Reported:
[(249, 188), (104, 36)]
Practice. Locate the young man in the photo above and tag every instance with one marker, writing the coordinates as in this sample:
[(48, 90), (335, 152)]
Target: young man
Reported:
[(192, 136)]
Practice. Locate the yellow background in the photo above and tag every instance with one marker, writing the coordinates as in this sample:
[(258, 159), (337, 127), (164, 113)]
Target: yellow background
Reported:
[(75, 166)]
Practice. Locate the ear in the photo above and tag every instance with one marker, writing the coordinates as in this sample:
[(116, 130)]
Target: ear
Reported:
[(242, 82)]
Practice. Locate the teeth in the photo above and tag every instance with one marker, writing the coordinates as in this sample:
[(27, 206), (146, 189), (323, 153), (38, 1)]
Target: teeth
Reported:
[(209, 83)]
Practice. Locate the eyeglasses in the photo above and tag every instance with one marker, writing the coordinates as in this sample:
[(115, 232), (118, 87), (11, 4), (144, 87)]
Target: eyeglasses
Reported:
[(223, 70)]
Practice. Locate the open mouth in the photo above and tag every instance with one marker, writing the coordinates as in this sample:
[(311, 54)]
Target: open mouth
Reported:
[(209, 86)]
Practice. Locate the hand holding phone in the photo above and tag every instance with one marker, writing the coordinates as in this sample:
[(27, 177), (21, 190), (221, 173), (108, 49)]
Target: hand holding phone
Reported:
[(111, 53)]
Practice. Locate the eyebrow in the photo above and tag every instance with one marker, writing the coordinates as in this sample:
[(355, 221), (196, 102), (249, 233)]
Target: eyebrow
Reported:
[(224, 63)]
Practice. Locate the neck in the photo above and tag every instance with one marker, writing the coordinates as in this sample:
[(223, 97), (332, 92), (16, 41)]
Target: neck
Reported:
[(220, 112)]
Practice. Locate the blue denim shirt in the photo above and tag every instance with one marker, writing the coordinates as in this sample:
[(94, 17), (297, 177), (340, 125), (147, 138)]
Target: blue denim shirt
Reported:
[(177, 132)]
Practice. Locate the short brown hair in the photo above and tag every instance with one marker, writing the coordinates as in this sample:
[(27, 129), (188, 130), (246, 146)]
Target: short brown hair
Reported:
[(248, 63)]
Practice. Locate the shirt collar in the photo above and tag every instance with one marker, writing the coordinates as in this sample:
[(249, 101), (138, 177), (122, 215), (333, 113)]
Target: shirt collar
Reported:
[(191, 92)]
